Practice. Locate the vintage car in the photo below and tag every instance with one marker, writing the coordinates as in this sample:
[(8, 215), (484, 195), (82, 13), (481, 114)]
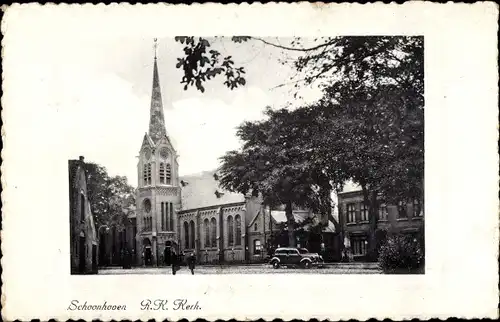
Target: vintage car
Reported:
[(295, 257)]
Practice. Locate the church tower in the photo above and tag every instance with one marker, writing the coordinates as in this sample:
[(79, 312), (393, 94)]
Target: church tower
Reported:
[(158, 194)]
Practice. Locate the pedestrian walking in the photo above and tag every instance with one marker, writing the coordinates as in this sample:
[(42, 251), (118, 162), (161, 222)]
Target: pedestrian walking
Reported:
[(191, 263), (174, 260)]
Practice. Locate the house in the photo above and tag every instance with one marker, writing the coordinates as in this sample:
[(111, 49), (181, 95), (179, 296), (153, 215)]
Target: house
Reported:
[(83, 240), (403, 218)]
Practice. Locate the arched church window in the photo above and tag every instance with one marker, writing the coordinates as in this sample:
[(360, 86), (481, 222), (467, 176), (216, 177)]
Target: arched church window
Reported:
[(191, 235), (163, 221), (237, 219), (171, 217), (147, 205), (162, 173), (230, 232), (206, 225), (147, 174), (168, 174), (186, 235), (213, 226)]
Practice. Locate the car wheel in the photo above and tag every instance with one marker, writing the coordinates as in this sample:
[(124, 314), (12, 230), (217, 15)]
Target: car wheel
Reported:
[(307, 264), (276, 265)]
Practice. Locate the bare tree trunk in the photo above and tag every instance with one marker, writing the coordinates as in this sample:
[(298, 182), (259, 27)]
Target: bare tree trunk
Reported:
[(290, 220)]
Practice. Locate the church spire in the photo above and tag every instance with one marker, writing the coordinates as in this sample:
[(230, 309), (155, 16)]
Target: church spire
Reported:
[(157, 119)]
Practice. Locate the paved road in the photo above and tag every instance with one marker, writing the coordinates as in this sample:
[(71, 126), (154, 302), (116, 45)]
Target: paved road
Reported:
[(261, 269)]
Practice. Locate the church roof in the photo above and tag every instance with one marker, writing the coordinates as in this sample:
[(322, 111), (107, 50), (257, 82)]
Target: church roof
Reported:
[(202, 190), (157, 130), (350, 186)]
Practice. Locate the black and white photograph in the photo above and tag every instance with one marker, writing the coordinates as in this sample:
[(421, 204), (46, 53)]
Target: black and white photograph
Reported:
[(301, 161), (312, 164)]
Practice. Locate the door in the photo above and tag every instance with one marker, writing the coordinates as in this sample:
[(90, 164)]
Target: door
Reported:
[(81, 246), (293, 257), (285, 258), (148, 256), (166, 256)]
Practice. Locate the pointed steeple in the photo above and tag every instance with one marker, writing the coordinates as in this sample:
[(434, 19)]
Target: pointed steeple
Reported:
[(157, 119)]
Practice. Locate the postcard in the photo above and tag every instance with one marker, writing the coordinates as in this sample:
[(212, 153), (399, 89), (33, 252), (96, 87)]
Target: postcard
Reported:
[(290, 161)]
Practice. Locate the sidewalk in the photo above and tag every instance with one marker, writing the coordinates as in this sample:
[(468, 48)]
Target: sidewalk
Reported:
[(339, 265)]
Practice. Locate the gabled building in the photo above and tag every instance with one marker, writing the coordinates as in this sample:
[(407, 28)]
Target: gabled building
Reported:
[(83, 240)]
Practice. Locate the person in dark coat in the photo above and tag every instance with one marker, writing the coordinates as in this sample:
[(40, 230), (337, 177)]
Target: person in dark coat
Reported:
[(191, 263), (174, 261)]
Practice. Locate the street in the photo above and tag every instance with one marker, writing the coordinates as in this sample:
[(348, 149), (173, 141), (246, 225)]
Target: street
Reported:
[(246, 269)]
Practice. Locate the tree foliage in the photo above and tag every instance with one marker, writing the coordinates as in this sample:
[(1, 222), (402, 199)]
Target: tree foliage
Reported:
[(110, 197), (200, 64), (276, 162)]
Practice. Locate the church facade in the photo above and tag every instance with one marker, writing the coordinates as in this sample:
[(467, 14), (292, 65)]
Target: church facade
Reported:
[(158, 193)]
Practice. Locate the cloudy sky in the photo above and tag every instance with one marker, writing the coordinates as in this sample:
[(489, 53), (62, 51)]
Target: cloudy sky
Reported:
[(96, 93)]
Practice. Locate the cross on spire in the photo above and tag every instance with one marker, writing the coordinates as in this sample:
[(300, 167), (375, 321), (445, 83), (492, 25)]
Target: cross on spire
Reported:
[(155, 45)]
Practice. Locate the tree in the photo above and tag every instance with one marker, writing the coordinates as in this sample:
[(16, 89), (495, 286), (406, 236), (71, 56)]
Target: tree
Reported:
[(376, 118), (275, 162), (109, 197)]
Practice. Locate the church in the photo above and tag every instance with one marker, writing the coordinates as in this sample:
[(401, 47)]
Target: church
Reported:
[(190, 214)]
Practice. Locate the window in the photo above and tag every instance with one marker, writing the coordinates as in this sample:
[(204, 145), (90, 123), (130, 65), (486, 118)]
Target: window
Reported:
[(402, 210), (382, 212), (238, 229), (162, 216), (168, 174), (186, 235), (82, 207), (162, 173), (148, 223), (257, 247), (255, 227), (146, 204), (171, 217), (230, 232), (191, 235), (147, 174), (213, 226), (359, 246), (168, 224), (351, 212), (364, 212), (417, 208), (206, 225)]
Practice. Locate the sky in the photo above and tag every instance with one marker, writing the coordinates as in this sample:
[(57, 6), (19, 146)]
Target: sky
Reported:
[(97, 92)]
